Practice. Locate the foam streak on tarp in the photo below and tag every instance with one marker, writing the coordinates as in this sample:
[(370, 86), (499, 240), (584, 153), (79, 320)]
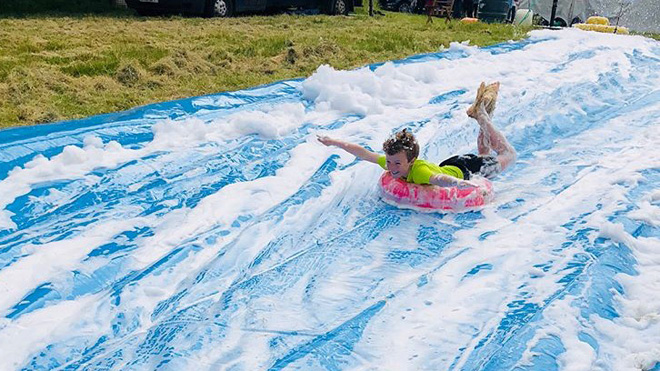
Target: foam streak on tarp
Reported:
[(217, 233)]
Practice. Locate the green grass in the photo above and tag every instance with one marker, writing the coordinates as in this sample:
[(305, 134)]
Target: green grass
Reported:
[(655, 36), (55, 67)]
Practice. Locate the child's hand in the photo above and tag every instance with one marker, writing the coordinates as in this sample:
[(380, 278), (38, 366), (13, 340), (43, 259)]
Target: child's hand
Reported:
[(467, 184), (327, 140)]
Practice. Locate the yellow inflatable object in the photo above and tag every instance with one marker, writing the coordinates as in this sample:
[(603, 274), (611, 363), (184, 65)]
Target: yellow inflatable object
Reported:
[(469, 20), (598, 20), (601, 28)]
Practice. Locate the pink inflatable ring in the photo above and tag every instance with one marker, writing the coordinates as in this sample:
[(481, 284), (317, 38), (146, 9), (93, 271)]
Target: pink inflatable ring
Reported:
[(431, 197)]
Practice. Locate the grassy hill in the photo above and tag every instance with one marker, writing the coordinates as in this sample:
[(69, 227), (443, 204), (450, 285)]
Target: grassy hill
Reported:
[(55, 67)]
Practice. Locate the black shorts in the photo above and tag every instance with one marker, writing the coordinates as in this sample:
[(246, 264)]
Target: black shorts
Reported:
[(485, 166)]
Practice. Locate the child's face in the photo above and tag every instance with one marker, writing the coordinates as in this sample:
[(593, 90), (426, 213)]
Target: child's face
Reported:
[(398, 164)]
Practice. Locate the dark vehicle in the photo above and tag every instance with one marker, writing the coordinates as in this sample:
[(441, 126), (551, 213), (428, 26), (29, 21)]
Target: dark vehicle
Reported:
[(403, 6), (496, 11), (417, 6), (227, 8)]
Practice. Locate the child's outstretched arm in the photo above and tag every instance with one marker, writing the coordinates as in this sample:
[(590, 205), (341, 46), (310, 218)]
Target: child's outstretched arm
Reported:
[(352, 148)]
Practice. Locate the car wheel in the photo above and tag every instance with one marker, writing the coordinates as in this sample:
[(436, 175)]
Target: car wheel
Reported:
[(340, 7), (220, 8), (405, 7)]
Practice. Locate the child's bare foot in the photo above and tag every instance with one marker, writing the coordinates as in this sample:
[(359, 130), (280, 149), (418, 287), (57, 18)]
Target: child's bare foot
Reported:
[(486, 94), (472, 111), (490, 97)]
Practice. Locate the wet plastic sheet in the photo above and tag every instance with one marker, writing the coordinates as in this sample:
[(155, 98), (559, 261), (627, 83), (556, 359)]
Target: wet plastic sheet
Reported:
[(179, 236)]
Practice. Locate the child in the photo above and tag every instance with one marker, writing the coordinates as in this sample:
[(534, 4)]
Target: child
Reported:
[(401, 151)]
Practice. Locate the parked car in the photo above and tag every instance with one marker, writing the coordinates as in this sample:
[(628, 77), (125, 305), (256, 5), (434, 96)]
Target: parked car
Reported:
[(417, 6), (403, 6), (227, 8), (497, 11)]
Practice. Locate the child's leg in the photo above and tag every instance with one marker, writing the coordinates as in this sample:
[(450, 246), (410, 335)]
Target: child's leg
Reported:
[(483, 144), (483, 141), (490, 138)]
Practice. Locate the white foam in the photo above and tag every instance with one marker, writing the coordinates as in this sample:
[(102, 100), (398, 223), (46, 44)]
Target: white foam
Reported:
[(44, 261), (36, 330), (72, 163), (646, 212)]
